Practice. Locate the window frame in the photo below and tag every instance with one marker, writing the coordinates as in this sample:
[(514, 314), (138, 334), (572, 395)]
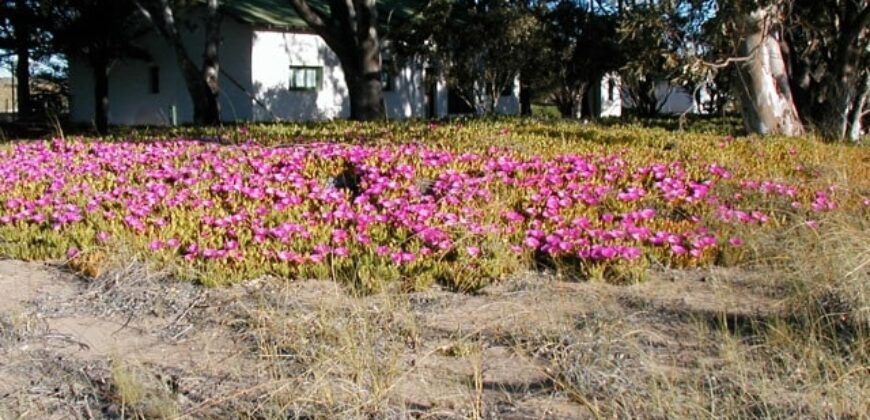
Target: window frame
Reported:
[(318, 78)]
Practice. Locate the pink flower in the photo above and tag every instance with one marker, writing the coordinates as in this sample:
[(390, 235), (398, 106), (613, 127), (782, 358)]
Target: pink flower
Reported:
[(473, 251), (192, 249), (103, 237), (73, 253), (735, 242), (631, 253), (532, 243), (607, 252)]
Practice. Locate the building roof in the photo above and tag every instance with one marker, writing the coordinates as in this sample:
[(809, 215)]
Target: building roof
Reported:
[(280, 14)]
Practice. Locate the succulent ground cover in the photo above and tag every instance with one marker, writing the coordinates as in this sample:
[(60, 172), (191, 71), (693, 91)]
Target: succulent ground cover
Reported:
[(463, 204), (747, 263)]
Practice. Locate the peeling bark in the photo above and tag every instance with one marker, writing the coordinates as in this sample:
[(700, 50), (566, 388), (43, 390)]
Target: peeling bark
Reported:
[(763, 84), (856, 120)]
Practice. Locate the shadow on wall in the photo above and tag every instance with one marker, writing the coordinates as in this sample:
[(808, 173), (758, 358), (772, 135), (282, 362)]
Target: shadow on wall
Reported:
[(329, 100), (279, 103), (408, 98)]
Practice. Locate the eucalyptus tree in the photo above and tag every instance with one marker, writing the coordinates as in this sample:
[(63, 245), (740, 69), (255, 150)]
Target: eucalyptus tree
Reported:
[(827, 46), (795, 63)]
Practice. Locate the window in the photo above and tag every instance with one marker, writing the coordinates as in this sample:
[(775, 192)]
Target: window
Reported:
[(154, 79), (305, 77), (387, 75)]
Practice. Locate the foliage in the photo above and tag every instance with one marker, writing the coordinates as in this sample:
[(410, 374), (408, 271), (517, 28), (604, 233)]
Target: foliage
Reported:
[(480, 47), (582, 46), (660, 39), (829, 56), (463, 204), (100, 32), (824, 44), (200, 77)]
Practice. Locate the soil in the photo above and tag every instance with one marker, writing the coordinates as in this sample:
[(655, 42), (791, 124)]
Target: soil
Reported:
[(67, 343)]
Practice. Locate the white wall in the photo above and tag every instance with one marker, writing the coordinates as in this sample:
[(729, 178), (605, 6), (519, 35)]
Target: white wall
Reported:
[(674, 99), (130, 99), (407, 99), (611, 96), (509, 104), (259, 61), (81, 90), (274, 52)]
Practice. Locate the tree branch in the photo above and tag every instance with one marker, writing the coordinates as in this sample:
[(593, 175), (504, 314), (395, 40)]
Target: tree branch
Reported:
[(313, 17), (861, 22)]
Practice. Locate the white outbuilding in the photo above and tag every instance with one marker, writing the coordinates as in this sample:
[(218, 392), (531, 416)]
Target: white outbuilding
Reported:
[(273, 68)]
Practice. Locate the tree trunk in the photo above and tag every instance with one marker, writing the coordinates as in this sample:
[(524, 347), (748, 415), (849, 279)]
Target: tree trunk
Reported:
[(577, 104), (492, 99), (570, 106), (210, 112), (350, 31), (362, 73), (645, 101), (101, 94), (525, 99), (202, 83), (366, 97), (763, 84), (856, 119), (592, 97), (22, 65), (570, 101)]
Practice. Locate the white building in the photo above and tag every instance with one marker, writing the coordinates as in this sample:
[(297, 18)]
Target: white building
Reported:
[(674, 99), (272, 68)]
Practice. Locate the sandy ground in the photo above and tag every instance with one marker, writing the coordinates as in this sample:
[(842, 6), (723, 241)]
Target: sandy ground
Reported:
[(135, 344)]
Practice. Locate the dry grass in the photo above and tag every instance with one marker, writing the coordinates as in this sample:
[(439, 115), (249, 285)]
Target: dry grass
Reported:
[(808, 357), (138, 394), (330, 355)]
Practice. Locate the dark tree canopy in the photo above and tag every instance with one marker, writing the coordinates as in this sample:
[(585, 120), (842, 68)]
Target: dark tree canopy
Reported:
[(103, 32)]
